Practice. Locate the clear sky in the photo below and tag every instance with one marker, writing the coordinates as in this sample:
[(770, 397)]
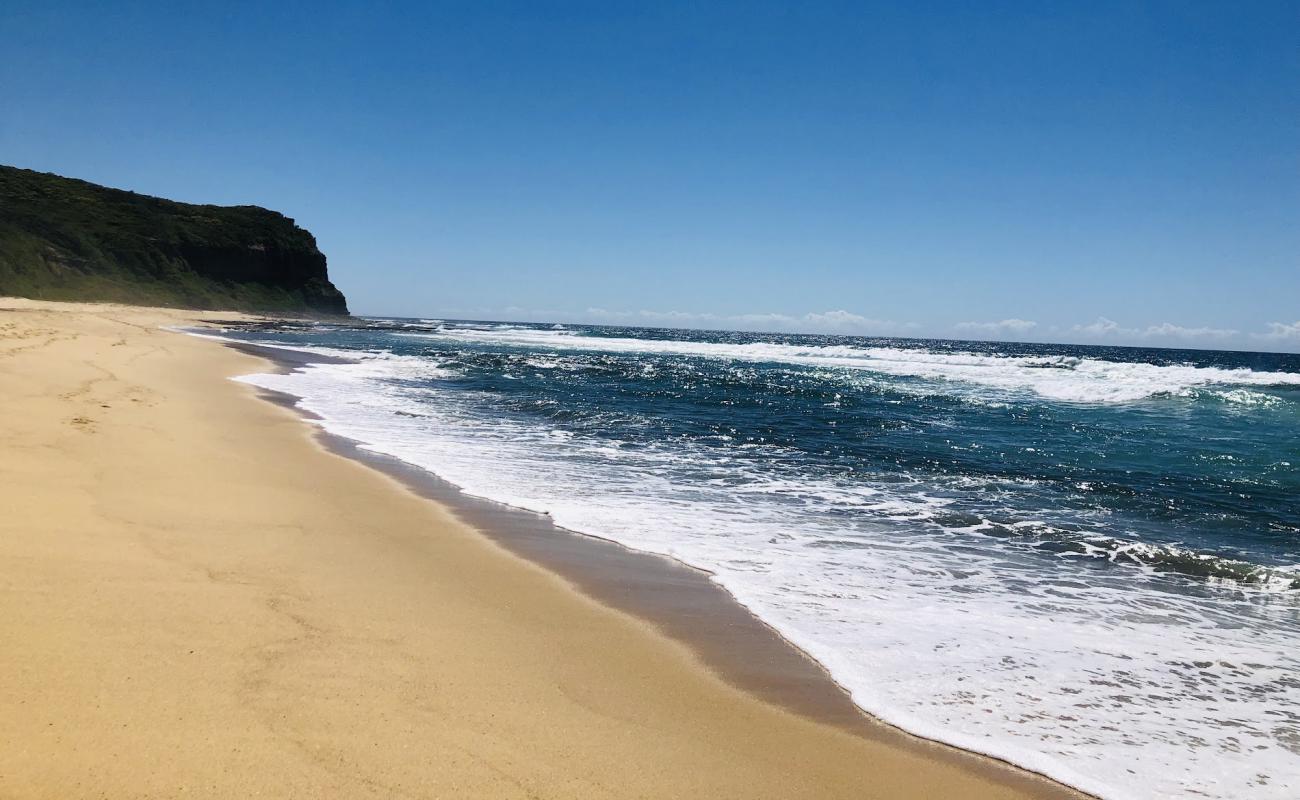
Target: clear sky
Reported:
[(1112, 172)]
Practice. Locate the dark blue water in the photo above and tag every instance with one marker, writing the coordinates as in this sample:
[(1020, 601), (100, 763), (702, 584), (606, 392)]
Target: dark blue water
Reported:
[(1082, 559)]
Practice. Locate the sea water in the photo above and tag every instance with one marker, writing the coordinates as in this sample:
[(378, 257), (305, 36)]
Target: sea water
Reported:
[(1082, 560)]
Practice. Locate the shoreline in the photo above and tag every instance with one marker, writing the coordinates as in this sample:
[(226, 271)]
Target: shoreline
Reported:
[(199, 597), (678, 599)]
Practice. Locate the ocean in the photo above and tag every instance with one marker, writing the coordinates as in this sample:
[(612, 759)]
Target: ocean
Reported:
[(1082, 560)]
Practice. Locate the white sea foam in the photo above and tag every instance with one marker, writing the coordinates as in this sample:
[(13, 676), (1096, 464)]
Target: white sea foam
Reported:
[(1246, 397), (1061, 378)]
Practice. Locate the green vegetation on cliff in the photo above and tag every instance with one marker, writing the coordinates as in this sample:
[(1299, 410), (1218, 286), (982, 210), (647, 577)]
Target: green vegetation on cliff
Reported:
[(66, 239)]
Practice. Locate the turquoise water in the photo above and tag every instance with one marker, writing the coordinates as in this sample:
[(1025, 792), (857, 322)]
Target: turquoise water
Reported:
[(1084, 560)]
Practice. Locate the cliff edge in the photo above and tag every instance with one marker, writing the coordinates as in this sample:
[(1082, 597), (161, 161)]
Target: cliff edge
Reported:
[(67, 239)]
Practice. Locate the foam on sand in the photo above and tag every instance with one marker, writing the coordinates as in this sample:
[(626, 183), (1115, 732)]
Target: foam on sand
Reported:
[(936, 620)]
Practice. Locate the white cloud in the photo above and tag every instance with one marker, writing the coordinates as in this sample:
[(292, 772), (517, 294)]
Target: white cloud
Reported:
[(835, 321), (1004, 327), (1102, 327), (645, 317), (1281, 331), (844, 319), (1106, 328), (1179, 332)]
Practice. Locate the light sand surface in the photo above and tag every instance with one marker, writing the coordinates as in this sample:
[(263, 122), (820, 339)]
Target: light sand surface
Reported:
[(197, 599)]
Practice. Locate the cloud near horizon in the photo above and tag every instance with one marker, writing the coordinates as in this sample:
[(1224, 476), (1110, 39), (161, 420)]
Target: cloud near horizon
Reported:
[(836, 321), (1281, 331), (1011, 326), (1104, 328)]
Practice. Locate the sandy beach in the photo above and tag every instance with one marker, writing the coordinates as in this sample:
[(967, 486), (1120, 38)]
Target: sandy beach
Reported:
[(198, 598)]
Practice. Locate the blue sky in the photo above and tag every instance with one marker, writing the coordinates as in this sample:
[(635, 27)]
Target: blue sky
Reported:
[(1094, 172)]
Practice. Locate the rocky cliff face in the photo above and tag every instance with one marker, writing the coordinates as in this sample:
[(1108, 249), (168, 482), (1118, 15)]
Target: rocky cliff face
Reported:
[(66, 239)]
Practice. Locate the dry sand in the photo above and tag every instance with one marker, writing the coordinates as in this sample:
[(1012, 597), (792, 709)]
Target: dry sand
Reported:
[(197, 599)]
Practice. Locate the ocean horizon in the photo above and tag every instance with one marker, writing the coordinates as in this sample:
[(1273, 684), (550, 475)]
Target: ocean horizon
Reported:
[(1082, 560)]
